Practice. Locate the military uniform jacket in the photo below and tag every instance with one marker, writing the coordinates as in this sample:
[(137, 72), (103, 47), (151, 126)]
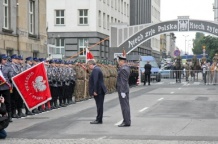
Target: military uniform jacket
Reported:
[(27, 66), (8, 74), (123, 79), (15, 68)]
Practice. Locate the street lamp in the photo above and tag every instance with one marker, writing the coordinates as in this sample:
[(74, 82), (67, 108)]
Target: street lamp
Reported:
[(185, 42)]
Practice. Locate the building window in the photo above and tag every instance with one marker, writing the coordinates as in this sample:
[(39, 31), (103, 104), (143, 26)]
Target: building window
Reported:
[(121, 6), (83, 17), (35, 54), (60, 46), (112, 3), (108, 2), (9, 52), (99, 18), (108, 22), (115, 20), (6, 14), (127, 11), (115, 4), (112, 19), (104, 1), (59, 20), (31, 16), (124, 8), (104, 20), (118, 5), (83, 44)]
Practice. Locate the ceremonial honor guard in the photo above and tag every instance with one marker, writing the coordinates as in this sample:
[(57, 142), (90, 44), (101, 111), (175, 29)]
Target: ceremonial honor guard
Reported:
[(29, 62), (5, 87), (15, 97), (123, 90), (35, 62), (71, 99)]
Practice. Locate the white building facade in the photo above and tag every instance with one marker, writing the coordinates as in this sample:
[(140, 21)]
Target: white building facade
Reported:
[(215, 8), (155, 18), (74, 25)]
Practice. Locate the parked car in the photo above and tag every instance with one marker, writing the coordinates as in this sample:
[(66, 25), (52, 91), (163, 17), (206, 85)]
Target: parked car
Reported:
[(155, 74), (167, 72)]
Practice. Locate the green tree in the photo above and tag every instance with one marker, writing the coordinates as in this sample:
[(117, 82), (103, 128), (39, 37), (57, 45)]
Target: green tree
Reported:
[(211, 44), (197, 45)]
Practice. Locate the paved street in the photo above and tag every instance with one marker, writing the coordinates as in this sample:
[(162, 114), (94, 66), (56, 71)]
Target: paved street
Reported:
[(163, 113)]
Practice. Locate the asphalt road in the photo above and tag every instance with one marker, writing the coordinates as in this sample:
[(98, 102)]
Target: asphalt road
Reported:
[(163, 113)]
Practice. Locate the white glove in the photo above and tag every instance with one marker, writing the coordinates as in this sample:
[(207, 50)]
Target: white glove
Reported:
[(123, 95)]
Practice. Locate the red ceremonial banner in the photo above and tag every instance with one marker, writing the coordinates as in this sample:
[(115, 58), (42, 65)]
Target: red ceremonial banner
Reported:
[(33, 86)]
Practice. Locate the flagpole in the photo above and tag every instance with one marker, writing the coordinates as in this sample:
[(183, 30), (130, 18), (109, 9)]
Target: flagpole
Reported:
[(89, 48), (85, 69)]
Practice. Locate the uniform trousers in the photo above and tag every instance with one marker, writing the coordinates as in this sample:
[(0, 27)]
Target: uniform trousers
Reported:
[(65, 92), (147, 78), (125, 108), (16, 100), (71, 90)]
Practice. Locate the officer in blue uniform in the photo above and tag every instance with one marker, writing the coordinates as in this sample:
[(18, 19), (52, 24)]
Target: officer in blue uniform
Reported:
[(5, 88)]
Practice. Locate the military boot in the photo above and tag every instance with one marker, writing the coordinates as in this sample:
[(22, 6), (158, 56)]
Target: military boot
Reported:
[(20, 113), (36, 111), (14, 115), (56, 104), (9, 117)]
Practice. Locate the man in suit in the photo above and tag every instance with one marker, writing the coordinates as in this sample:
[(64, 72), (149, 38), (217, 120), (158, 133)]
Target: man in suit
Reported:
[(97, 89), (147, 73), (123, 90)]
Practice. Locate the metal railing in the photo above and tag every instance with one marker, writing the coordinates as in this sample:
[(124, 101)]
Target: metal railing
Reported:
[(207, 77)]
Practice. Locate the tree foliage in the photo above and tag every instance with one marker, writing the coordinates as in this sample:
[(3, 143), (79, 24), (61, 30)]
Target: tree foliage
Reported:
[(211, 44), (197, 45)]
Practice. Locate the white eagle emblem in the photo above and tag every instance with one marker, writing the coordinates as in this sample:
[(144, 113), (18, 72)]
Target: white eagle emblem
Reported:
[(39, 84)]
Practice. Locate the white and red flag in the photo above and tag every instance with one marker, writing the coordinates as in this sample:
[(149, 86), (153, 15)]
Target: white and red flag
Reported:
[(89, 55), (4, 81), (33, 86)]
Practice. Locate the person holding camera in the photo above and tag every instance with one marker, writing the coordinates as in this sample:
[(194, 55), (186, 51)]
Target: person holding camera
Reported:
[(3, 118)]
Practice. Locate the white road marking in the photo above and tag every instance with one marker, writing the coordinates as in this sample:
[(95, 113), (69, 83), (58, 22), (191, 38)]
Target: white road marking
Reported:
[(172, 92), (143, 109), (118, 122), (160, 99), (101, 137)]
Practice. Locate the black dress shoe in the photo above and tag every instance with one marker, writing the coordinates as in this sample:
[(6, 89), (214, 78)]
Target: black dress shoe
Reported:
[(96, 122), (124, 125)]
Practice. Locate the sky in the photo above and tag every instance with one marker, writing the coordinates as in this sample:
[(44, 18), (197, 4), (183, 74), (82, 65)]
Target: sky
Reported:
[(195, 9)]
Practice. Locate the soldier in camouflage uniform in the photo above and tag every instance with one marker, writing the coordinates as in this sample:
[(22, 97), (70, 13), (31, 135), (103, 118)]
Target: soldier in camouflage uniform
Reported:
[(187, 70), (79, 88), (178, 68)]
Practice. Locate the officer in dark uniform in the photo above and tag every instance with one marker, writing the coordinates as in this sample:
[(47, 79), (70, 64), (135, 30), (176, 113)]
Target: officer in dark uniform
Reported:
[(35, 62), (20, 100), (15, 97), (5, 87), (52, 80), (147, 73), (72, 80), (29, 62)]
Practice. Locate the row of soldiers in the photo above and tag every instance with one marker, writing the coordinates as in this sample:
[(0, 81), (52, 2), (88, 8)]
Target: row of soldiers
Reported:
[(61, 77), (68, 82)]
